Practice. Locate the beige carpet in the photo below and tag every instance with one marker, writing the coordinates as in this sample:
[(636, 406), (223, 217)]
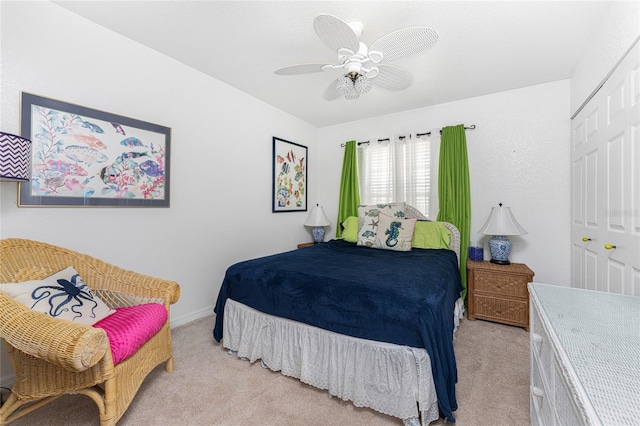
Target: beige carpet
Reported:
[(210, 387)]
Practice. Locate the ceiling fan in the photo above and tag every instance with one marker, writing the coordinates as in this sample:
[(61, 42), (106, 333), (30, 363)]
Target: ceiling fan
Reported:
[(363, 66)]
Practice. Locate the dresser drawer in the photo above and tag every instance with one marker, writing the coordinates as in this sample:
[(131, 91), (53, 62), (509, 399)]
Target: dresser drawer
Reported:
[(565, 408), (513, 311), (541, 398), (541, 345), (501, 284)]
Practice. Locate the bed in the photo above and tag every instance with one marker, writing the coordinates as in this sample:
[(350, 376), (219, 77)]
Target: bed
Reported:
[(371, 326)]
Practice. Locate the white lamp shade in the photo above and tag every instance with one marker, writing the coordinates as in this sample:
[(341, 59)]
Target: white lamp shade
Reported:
[(317, 217), (501, 222)]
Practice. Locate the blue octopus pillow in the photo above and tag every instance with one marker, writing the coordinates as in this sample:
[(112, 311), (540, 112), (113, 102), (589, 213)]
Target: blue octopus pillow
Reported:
[(62, 295), (394, 233)]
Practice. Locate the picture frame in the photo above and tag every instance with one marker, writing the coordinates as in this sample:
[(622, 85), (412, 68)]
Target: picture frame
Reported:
[(289, 176), (83, 157)]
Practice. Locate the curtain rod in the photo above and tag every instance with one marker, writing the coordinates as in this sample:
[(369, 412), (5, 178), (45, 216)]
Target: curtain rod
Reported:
[(471, 127)]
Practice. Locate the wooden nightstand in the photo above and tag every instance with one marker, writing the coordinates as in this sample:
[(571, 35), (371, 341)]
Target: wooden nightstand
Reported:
[(305, 245), (499, 292)]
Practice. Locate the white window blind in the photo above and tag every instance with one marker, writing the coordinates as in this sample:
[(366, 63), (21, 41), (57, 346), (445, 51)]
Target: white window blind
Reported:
[(395, 171)]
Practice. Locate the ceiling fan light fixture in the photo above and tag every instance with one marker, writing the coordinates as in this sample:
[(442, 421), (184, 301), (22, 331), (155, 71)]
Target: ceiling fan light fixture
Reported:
[(362, 85), (346, 87), (353, 75)]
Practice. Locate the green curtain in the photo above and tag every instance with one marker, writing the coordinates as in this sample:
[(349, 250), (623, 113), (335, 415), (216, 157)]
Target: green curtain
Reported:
[(349, 189), (454, 192)]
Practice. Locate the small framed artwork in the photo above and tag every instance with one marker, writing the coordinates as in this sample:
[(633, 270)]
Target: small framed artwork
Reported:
[(289, 176), (82, 157)]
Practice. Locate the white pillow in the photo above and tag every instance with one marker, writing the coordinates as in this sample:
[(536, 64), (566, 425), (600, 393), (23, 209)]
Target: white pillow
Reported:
[(394, 233), (368, 220), (62, 295)]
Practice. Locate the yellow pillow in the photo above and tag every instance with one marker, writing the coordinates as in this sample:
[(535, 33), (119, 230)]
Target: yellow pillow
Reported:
[(350, 229), (430, 235)]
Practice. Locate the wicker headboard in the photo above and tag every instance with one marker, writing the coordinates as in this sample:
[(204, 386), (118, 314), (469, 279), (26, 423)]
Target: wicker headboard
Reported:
[(454, 239)]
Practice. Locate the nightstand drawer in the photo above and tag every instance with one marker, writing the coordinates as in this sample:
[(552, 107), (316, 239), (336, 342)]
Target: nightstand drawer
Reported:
[(505, 284), (513, 311), (499, 292)]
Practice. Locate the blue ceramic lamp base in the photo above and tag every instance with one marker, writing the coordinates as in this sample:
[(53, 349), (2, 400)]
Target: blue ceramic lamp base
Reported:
[(500, 247), (318, 234)]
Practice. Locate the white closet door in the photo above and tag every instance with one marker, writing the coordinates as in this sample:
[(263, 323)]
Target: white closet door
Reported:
[(606, 185)]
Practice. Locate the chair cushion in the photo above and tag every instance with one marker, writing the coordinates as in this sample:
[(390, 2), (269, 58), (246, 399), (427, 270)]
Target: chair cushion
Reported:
[(130, 327)]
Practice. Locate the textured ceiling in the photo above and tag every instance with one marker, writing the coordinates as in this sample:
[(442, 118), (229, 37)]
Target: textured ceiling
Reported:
[(484, 47)]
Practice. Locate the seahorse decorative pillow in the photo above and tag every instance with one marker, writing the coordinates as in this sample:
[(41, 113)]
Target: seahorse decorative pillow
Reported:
[(368, 220), (62, 295), (394, 233)]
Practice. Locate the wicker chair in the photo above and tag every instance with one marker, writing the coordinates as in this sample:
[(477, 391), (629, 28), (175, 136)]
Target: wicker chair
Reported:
[(52, 357)]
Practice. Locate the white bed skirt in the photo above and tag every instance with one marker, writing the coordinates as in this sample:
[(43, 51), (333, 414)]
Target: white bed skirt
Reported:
[(384, 377)]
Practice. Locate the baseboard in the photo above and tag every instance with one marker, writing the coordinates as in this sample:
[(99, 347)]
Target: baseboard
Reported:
[(192, 316)]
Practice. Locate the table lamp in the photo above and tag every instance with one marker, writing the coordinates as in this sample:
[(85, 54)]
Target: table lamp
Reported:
[(318, 220), (501, 223), (15, 158)]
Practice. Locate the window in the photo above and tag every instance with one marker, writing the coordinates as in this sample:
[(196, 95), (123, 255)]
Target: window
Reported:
[(396, 171)]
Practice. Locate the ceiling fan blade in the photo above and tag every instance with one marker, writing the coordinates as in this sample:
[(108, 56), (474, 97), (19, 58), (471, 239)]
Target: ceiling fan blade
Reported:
[(335, 33), (391, 77), (404, 44), (331, 94), (300, 69)]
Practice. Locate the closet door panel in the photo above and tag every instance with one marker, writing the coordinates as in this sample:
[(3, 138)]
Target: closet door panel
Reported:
[(591, 190), (614, 214), (622, 255), (615, 280), (606, 184), (591, 270)]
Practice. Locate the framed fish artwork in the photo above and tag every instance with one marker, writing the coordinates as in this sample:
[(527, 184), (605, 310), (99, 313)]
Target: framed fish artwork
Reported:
[(289, 176), (82, 157)]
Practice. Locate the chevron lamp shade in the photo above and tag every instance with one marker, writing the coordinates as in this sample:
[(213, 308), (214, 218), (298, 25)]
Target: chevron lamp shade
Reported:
[(15, 158)]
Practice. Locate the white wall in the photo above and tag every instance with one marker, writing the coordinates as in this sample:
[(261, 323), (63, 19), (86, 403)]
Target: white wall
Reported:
[(615, 35), (221, 155), (518, 155)]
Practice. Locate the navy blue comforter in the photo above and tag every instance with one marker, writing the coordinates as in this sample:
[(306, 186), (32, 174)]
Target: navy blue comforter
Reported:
[(406, 298)]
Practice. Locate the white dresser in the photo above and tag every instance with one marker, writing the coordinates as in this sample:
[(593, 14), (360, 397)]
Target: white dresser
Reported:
[(585, 357)]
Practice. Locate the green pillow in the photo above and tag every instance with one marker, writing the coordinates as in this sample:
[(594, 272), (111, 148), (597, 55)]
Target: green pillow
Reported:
[(350, 229), (430, 235)]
